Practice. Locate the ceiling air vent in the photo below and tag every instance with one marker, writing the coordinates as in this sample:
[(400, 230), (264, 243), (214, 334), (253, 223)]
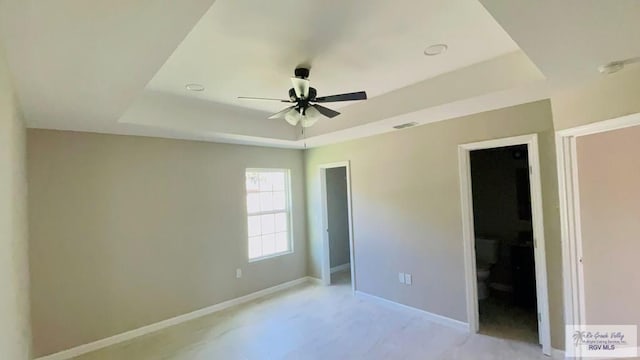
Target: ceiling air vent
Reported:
[(404, 126)]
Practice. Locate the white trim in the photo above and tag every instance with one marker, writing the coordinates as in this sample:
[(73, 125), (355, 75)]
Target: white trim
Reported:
[(466, 198), (132, 334), (342, 267), (439, 319), (570, 222), (326, 263), (314, 280), (602, 126)]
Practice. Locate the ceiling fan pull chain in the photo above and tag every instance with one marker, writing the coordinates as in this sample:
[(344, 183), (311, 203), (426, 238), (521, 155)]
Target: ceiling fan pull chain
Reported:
[(304, 139)]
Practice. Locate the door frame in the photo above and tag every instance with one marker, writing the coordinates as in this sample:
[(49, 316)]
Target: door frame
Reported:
[(464, 161), (326, 260), (570, 225)]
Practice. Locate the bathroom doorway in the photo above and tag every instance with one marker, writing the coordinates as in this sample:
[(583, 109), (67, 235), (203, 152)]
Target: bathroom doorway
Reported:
[(504, 243), (504, 240), (338, 264)]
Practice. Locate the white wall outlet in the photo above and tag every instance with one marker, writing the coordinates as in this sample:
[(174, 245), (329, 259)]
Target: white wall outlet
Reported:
[(401, 278), (407, 279), (238, 273)]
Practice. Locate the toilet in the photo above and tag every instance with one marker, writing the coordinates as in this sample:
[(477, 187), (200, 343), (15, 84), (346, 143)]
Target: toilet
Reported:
[(486, 256)]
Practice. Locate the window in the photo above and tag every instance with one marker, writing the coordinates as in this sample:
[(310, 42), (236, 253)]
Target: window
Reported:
[(268, 212)]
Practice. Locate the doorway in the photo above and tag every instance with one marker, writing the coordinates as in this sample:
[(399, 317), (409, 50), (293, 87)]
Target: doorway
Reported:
[(338, 264), (503, 234)]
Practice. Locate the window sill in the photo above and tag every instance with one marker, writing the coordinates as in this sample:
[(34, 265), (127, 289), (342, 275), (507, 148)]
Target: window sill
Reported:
[(270, 256)]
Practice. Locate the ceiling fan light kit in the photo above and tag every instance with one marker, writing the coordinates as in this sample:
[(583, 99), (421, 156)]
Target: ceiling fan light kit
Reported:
[(306, 109)]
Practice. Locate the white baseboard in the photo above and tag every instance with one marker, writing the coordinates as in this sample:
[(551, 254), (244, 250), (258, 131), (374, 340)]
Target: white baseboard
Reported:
[(439, 319), (131, 334), (340, 267), (557, 354)]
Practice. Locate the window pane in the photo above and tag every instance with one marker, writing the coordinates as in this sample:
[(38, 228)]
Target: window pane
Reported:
[(268, 224), (278, 181), (254, 225), (281, 222), (282, 243), (266, 201), (279, 201), (253, 203), (266, 181), (253, 181), (268, 215), (268, 244), (255, 247)]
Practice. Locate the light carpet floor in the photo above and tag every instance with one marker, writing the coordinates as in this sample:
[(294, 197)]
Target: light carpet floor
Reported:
[(316, 322)]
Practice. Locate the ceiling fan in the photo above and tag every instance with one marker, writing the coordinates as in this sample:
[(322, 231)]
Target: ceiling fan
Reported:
[(306, 109)]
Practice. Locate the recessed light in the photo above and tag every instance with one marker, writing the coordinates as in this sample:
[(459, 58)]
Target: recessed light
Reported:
[(194, 87), (436, 49)]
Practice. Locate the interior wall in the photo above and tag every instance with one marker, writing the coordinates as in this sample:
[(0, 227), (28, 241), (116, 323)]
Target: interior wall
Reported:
[(406, 208), (608, 176), (338, 216), (127, 231), (608, 97), (15, 339)]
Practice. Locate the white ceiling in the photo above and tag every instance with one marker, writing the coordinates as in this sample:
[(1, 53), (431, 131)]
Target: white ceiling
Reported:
[(120, 66), (79, 64), (251, 47), (568, 40)]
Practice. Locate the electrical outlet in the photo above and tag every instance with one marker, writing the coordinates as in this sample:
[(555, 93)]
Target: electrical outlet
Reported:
[(238, 273), (407, 279), (401, 278)]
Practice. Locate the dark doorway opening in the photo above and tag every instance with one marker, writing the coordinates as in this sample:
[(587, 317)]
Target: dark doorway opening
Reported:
[(503, 229)]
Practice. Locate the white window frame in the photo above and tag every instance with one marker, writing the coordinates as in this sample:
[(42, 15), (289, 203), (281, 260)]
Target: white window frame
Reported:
[(287, 211)]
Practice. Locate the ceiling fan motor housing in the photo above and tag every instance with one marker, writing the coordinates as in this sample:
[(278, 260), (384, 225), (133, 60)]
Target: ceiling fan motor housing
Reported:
[(302, 73)]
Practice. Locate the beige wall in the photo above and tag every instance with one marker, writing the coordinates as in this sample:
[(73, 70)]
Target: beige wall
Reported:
[(127, 231), (338, 216), (406, 208), (15, 339), (609, 97), (609, 178)]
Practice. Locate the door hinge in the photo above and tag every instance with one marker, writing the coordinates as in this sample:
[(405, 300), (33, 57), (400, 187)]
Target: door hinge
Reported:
[(535, 242), (539, 317), (530, 170)]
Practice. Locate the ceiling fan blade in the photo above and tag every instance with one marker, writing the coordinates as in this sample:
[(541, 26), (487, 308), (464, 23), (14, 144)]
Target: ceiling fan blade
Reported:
[(281, 114), (360, 95), (326, 111), (260, 98), (301, 87)]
